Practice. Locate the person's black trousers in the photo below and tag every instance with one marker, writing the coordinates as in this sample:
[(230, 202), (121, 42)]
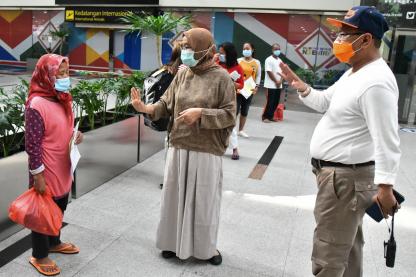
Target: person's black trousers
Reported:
[(273, 99), (40, 242)]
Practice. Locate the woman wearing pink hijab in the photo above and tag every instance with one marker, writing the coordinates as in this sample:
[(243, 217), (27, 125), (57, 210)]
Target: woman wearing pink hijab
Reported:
[(49, 123)]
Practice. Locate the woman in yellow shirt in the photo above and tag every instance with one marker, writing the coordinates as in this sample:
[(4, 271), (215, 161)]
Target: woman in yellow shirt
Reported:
[(251, 68)]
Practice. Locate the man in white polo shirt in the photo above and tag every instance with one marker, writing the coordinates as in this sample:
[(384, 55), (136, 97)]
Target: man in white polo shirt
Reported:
[(273, 83), (355, 147)]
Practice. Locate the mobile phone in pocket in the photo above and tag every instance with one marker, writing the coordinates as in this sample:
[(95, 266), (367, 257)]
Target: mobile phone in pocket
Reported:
[(375, 212)]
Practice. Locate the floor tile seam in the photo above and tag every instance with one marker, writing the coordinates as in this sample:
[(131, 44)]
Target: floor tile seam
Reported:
[(250, 271), (109, 212), (112, 235), (289, 248), (301, 176), (408, 179), (373, 257), (96, 256), (257, 273), (15, 263)]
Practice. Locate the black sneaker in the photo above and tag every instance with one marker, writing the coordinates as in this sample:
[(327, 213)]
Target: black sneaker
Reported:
[(168, 254), (216, 260)]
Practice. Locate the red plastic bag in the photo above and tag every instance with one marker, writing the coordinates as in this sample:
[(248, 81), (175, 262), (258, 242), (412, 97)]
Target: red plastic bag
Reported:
[(278, 113), (37, 212)]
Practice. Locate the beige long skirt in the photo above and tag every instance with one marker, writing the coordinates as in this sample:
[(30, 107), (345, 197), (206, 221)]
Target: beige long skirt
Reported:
[(190, 205)]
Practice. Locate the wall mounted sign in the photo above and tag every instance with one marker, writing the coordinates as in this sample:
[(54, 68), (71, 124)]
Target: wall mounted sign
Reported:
[(49, 42), (99, 14), (399, 13), (316, 49)]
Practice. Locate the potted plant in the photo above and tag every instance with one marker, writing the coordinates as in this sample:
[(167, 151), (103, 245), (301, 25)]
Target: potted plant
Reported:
[(157, 25)]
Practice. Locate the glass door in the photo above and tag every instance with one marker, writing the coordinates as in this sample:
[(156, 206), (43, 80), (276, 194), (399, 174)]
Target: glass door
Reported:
[(403, 64)]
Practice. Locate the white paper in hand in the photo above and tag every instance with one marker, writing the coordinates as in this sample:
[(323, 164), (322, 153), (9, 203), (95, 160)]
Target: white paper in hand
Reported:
[(234, 75), (73, 150), (247, 90)]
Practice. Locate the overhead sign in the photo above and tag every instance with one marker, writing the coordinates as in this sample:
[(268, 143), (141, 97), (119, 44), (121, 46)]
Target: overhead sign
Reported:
[(107, 2), (98, 14)]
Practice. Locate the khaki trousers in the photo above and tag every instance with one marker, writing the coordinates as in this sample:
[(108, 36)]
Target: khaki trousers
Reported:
[(343, 196)]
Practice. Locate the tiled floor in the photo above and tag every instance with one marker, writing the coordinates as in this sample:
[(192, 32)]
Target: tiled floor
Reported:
[(266, 226)]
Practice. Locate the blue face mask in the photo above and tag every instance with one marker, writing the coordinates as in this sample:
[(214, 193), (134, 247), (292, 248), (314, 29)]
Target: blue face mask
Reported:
[(63, 85), (222, 58), (247, 53), (187, 57), (276, 52)]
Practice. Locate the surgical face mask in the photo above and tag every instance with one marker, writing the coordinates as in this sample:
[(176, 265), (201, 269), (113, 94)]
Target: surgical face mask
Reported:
[(344, 51), (277, 52), (222, 58), (247, 53), (63, 84), (188, 59)]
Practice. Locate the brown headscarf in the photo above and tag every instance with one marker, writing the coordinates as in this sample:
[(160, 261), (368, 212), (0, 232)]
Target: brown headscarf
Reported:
[(201, 39)]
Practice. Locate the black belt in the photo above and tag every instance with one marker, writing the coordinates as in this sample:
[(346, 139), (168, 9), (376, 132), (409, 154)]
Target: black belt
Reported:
[(321, 163)]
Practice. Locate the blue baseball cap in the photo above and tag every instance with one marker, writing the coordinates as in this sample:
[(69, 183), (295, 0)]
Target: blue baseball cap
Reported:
[(364, 18)]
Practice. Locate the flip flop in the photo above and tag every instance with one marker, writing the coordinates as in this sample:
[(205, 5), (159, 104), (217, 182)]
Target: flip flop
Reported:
[(39, 266), (68, 249)]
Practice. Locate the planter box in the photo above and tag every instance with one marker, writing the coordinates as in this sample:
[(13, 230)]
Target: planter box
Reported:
[(14, 179), (151, 141), (110, 150), (106, 152)]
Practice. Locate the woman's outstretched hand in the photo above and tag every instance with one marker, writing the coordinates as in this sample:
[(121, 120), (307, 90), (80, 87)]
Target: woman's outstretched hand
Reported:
[(136, 101)]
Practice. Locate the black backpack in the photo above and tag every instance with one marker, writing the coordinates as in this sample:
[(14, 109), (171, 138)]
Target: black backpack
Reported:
[(154, 87)]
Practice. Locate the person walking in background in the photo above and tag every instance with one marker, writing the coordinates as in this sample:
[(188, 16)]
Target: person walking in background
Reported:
[(273, 83), (251, 68), (227, 58), (49, 124), (201, 100), (355, 146)]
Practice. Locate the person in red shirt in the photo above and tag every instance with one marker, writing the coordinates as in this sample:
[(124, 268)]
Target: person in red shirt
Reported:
[(227, 58)]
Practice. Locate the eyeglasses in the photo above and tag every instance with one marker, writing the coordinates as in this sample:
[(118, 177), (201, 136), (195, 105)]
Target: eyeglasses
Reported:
[(344, 35), (185, 47)]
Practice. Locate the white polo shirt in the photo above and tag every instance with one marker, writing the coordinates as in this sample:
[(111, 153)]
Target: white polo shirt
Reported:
[(273, 65), (360, 123)]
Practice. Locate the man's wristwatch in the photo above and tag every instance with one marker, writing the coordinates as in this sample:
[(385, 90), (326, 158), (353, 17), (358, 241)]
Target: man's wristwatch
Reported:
[(305, 92)]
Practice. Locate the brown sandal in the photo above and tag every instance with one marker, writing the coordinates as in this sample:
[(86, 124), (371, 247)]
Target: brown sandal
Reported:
[(68, 249), (54, 268)]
